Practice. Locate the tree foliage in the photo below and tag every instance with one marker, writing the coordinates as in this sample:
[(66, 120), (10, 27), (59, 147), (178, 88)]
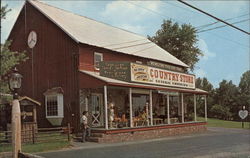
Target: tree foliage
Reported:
[(204, 84), (244, 90), (225, 101), (179, 40), (221, 112), (227, 95), (8, 59), (245, 83), (4, 10)]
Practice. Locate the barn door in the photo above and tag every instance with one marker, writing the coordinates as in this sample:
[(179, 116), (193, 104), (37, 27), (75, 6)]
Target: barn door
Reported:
[(97, 110)]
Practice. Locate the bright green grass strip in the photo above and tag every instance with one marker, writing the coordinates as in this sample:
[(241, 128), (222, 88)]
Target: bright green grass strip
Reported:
[(222, 123)]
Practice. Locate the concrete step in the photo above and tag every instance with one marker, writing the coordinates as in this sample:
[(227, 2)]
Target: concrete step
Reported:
[(93, 139), (100, 135), (90, 139)]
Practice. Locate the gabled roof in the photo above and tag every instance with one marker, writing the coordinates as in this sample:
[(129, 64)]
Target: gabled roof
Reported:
[(91, 32), (29, 99), (54, 90)]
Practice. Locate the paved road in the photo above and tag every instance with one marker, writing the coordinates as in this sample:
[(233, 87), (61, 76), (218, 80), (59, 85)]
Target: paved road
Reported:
[(217, 142)]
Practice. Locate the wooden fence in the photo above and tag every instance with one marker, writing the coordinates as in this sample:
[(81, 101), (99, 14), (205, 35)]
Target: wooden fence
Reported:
[(39, 135)]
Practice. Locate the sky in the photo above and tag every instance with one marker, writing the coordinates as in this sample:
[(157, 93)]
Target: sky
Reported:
[(226, 50)]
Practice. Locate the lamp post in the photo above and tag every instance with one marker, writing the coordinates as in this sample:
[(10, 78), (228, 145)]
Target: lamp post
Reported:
[(242, 122), (15, 80)]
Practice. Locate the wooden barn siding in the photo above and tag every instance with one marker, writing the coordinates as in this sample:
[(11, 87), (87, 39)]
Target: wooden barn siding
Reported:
[(86, 57), (86, 81), (54, 64)]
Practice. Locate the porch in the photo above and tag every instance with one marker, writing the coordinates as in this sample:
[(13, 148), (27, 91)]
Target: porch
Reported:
[(138, 111)]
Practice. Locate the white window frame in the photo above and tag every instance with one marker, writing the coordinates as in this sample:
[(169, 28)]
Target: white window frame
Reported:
[(99, 54), (60, 106)]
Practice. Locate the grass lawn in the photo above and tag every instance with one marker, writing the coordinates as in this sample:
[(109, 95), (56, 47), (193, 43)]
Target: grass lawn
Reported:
[(222, 123), (50, 144)]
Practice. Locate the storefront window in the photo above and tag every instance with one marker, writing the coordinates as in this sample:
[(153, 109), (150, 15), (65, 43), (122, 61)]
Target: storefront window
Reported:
[(174, 108), (118, 108), (119, 111), (160, 109), (140, 109)]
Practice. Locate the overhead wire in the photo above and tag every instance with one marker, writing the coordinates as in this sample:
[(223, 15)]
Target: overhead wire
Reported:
[(233, 41), (124, 42), (208, 14), (182, 22), (132, 45), (136, 52), (167, 2), (153, 11), (206, 25), (223, 26)]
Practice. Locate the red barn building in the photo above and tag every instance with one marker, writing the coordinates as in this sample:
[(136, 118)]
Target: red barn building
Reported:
[(129, 85)]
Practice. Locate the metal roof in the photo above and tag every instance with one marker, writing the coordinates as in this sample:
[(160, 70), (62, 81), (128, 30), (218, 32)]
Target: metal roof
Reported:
[(28, 98), (91, 32), (115, 82)]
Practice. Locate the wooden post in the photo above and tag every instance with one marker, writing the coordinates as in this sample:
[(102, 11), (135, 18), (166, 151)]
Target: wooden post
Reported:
[(205, 100), (168, 109), (182, 108), (106, 107), (33, 133), (195, 117), (34, 114), (69, 131), (16, 128), (151, 107), (130, 108)]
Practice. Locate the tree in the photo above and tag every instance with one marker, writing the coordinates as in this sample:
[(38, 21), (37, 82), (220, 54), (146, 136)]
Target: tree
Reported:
[(180, 41), (4, 10), (227, 95), (221, 112), (8, 59), (244, 90), (244, 85), (204, 84)]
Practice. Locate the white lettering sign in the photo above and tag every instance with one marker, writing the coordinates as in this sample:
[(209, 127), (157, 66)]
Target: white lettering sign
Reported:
[(157, 76)]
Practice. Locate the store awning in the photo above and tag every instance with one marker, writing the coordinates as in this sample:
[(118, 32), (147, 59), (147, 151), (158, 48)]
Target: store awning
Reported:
[(93, 79)]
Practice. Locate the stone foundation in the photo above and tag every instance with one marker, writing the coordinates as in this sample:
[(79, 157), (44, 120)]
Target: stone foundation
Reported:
[(132, 134)]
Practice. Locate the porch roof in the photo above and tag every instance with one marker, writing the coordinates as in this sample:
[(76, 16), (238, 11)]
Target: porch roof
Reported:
[(114, 82)]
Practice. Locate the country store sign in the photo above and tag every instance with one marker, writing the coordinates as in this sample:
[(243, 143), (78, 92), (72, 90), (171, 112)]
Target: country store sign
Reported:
[(132, 72)]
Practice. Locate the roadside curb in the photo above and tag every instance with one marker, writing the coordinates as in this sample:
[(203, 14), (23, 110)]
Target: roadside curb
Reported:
[(92, 145)]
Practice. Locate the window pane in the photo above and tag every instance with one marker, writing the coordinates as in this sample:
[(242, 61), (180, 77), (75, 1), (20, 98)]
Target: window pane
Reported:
[(97, 59), (52, 106)]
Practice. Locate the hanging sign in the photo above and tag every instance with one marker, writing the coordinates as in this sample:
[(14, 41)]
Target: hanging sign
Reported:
[(133, 72), (243, 114), (157, 76)]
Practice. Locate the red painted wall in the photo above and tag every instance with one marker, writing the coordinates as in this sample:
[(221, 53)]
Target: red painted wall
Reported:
[(55, 62), (86, 57)]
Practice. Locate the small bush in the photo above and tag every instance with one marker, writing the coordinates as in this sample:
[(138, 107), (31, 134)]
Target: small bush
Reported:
[(220, 112)]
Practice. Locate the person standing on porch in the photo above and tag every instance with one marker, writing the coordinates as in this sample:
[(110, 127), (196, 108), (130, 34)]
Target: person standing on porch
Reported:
[(85, 127)]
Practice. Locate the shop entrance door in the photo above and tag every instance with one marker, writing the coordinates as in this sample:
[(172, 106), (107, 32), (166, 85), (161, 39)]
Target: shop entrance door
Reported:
[(97, 110)]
